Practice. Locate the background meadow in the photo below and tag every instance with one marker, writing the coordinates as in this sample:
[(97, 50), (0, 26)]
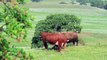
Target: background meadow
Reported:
[(94, 31)]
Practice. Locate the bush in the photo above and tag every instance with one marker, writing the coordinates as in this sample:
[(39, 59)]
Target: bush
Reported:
[(36, 0), (62, 3), (56, 23), (97, 3), (105, 6), (82, 2)]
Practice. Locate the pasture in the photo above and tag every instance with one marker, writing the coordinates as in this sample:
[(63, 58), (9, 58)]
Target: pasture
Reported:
[(94, 32)]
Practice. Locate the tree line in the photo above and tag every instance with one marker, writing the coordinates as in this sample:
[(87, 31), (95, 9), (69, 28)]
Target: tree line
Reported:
[(94, 3)]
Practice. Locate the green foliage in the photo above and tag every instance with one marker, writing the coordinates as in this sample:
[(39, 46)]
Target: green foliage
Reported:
[(15, 20), (82, 2), (105, 6), (62, 2), (22, 1), (36, 0), (94, 3), (97, 3), (56, 23)]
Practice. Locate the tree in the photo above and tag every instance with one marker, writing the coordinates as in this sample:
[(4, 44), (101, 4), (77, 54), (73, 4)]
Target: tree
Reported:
[(94, 3), (56, 23), (14, 23), (97, 3), (36, 0), (105, 6), (82, 2)]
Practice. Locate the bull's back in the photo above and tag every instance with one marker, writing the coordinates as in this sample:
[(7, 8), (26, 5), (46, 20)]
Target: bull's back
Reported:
[(75, 35), (53, 37), (71, 35)]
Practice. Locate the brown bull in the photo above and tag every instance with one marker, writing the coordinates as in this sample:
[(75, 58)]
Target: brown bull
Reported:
[(54, 38), (72, 37)]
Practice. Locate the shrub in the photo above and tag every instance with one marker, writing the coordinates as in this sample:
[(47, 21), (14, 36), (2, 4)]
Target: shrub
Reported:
[(62, 3), (36, 0), (56, 23), (105, 6)]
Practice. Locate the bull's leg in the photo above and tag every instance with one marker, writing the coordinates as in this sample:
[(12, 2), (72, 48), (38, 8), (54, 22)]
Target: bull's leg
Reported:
[(73, 42), (45, 44), (77, 43), (59, 46), (64, 45)]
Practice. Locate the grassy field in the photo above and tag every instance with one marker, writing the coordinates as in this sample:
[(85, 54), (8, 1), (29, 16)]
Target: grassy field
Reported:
[(94, 32)]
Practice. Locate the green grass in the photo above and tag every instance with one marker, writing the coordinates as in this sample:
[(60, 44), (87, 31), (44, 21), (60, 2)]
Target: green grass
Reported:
[(93, 19), (72, 53), (94, 32)]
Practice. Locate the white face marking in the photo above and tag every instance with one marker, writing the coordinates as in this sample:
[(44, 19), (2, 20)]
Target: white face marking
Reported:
[(56, 43)]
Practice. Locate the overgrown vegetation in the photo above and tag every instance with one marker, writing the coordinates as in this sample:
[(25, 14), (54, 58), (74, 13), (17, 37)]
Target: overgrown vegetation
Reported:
[(93, 33), (97, 3), (94, 3), (82, 2), (56, 23), (14, 21), (36, 0), (62, 2)]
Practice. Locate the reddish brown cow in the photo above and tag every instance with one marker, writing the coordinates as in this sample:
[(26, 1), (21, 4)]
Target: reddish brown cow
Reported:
[(72, 37), (53, 38)]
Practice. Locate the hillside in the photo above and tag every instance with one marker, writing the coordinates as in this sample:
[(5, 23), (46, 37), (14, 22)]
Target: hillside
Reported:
[(94, 32), (86, 13)]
